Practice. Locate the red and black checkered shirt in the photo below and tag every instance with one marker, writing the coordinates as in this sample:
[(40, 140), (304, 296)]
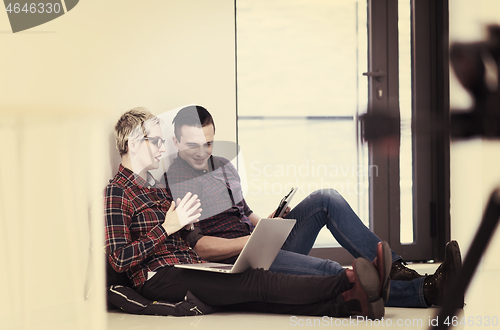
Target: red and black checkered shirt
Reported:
[(136, 241), (225, 212)]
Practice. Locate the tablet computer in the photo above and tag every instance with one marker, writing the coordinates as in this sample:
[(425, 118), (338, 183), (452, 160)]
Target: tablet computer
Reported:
[(284, 203)]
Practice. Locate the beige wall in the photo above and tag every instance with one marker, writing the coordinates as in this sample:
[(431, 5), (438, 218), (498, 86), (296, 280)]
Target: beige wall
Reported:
[(62, 87), (109, 56)]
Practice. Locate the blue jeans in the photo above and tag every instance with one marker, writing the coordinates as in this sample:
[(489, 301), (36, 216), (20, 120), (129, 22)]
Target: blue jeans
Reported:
[(328, 207)]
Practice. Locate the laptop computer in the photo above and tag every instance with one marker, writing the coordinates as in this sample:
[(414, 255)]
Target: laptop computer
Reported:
[(259, 251)]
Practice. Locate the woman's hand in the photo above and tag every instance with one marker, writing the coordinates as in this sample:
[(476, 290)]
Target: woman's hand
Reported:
[(187, 212), (188, 209)]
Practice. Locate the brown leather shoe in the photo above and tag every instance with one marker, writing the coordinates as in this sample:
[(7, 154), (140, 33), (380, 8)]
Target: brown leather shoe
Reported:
[(399, 272), (383, 265), (437, 284), (363, 298)]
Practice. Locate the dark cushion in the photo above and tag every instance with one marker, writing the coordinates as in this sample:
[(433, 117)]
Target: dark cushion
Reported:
[(130, 301), (120, 295), (114, 278)]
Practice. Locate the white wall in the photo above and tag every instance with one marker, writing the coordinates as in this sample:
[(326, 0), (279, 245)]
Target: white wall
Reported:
[(63, 85)]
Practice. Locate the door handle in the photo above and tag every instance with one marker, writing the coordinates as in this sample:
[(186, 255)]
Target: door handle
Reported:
[(375, 74)]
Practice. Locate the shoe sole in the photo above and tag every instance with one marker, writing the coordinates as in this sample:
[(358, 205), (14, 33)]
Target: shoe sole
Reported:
[(386, 283), (453, 249), (370, 281)]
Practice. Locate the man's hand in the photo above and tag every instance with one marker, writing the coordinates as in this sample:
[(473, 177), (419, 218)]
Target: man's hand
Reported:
[(288, 209), (187, 212), (213, 248)]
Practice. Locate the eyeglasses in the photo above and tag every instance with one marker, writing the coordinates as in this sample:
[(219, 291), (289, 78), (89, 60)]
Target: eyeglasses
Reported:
[(157, 141)]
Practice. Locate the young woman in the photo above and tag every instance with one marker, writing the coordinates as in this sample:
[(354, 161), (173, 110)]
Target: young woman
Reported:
[(147, 234)]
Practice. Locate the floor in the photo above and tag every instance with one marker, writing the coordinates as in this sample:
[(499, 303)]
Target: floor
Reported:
[(481, 310)]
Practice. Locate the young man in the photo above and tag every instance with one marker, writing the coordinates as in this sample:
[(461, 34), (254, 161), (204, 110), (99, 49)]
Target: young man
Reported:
[(227, 220)]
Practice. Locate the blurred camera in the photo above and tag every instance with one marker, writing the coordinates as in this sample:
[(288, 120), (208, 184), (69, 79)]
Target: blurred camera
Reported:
[(476, 66)]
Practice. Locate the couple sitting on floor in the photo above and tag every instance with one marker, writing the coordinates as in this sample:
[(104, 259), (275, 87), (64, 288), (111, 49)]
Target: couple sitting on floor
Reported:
[(146, 235)]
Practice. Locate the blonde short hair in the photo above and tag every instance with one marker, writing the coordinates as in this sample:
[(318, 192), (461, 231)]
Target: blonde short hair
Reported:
[(133, 125)]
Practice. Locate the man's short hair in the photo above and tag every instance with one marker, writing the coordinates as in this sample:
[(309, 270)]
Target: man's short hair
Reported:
[(193, 116), (133, 125)]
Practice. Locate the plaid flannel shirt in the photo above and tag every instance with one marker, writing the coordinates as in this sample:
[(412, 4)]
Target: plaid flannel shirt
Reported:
[(225, 212), (136, 241)]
